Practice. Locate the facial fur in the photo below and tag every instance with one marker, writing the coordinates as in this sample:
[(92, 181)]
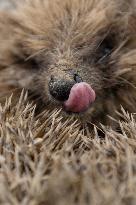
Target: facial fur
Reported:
[(94, 39)]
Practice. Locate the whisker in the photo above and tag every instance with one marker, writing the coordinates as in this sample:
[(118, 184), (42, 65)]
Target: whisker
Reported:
[(123, 71), (35, 54), (127, 82), (119, 48), (103, 57), (102, 40)]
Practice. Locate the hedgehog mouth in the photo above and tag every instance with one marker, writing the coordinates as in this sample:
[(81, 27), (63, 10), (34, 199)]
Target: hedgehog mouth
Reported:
[(81, 97)]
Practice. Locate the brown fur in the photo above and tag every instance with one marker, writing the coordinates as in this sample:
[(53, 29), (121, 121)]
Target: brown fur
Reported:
[(40, 38)]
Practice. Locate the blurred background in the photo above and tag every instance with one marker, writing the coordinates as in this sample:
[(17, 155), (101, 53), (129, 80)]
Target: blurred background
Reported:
[(5, 4)]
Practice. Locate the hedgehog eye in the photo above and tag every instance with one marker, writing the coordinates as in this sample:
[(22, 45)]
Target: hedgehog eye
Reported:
[(104, 50)]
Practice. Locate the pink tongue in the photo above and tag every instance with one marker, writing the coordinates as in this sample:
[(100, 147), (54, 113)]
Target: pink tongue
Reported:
[(81, 96)]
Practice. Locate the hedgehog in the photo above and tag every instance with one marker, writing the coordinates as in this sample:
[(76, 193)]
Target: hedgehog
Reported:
[(77, 55)]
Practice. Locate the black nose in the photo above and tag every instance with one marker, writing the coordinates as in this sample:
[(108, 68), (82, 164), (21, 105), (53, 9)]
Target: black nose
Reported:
[(60, 88)]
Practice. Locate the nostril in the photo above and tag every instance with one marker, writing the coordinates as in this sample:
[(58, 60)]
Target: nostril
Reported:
[(77, 78), (52, 78)]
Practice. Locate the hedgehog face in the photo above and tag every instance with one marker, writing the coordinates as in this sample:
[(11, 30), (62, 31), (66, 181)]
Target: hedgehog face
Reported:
[(78, 55)]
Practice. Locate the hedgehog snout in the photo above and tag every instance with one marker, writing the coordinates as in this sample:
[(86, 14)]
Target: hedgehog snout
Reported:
[(60, 88)]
